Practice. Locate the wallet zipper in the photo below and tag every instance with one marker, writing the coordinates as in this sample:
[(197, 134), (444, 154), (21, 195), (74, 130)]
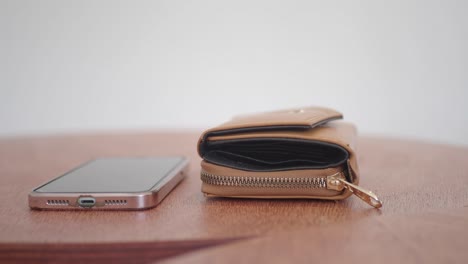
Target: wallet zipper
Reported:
[(335, 182)]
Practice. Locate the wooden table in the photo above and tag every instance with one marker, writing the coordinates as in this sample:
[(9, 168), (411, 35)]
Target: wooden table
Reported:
[(424, 188)]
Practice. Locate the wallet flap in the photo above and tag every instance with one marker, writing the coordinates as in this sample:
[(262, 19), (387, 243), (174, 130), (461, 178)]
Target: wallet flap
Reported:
[(299, 118)]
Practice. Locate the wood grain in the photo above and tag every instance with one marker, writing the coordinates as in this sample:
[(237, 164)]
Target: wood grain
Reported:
[(129, 252), (436, 237), (410, 177)]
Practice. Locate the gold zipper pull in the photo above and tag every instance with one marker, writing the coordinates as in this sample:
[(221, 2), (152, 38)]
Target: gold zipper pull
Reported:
[(338, 182)]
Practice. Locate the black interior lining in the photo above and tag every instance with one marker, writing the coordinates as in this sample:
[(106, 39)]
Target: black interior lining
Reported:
[(274, 154)]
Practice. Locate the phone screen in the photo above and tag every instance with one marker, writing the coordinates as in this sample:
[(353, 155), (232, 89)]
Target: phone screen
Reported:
[(111, 175)]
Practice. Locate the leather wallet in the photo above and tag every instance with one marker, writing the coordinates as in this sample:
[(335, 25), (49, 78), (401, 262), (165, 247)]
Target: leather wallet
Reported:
[(295, 153)]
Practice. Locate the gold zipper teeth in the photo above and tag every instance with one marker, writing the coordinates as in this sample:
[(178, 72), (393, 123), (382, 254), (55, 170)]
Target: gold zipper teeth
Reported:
[(260, 182), (336, 182)]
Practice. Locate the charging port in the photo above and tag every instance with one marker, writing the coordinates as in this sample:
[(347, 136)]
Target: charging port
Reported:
[(86, 202)]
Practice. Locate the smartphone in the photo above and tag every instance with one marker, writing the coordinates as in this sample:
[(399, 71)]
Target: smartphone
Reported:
[(112, 184)]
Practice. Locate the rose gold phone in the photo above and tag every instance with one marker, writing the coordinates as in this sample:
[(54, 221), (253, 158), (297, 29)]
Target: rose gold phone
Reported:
[(112, 184)]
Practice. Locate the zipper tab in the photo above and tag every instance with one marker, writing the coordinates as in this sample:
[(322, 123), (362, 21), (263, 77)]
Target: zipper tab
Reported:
[(338, 182)]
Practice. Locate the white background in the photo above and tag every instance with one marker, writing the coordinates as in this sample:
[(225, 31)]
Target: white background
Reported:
[(396, 68)]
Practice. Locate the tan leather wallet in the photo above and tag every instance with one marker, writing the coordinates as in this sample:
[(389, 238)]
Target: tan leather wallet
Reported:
[(296, 153)]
